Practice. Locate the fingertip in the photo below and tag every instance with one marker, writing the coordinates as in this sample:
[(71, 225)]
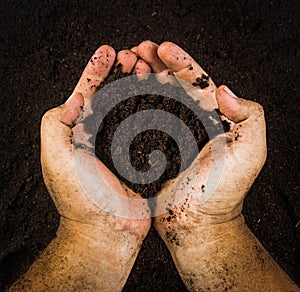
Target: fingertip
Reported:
[(127, 60), (229, 104), (72, 108), (147, 50), (174, 57), (135, 50), (105, 55), (163, 48), (106, 48), (142, 70), (146, 45), (163, 53)]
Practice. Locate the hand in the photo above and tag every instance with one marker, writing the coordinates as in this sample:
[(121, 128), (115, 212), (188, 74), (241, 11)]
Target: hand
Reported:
[(93, 250), (59, 171), (240, 159), (210, 244)]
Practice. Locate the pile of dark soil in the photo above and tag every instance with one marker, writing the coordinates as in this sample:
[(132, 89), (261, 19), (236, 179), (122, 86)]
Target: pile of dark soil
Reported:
[(251, 46), (150, 140)]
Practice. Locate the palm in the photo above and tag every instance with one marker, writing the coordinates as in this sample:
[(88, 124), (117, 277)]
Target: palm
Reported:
[(234, 169), (65, 168), (215, 184)]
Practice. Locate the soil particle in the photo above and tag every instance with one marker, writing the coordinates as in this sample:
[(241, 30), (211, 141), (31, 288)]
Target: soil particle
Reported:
[(172, 238), (203, 188), (202, 81)]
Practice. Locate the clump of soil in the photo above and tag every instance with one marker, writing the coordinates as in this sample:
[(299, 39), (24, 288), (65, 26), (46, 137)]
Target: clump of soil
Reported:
[(150, 140), (202, 81)]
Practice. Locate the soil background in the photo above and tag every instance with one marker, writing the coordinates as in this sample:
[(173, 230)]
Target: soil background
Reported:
[(251, 46)]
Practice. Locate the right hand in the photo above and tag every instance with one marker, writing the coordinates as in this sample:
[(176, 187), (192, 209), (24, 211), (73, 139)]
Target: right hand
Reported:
[(240, 159)]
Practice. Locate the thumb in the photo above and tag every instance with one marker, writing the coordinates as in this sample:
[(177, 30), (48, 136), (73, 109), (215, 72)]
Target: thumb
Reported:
[(234, 108), (247, 115), (248, 133), (72, 109), (56, 129)]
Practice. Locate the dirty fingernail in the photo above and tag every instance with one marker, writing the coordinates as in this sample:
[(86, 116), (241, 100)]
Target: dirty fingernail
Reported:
[(228, 91)]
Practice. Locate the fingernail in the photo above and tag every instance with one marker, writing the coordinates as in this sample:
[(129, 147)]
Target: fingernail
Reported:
[(73, 95), (227, 90), (69, 98)]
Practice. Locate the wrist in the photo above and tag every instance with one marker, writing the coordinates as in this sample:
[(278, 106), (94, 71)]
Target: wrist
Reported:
[(82, 257), (187, 237), (109, 254), (227, 256), (96, 241), (197, 227)]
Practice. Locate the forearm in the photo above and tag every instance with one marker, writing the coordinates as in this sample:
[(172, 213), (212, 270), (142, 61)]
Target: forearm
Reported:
[(228, 257), (75, 262)]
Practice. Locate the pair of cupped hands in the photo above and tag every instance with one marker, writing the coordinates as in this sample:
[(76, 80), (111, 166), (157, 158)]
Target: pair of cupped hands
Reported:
[(244, 154)]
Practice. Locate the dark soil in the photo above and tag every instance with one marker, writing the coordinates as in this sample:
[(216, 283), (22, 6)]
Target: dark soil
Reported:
[(147, 141), (251, 46)]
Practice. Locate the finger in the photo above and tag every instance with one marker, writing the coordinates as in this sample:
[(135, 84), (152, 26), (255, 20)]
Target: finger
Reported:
[(142, 70), (237, 109), (56, 132), (96, 71), (72, 109), (135, 50), (184, 67), (250, 129), (147, 50), (57, 122), (180, 62), (126, 59)]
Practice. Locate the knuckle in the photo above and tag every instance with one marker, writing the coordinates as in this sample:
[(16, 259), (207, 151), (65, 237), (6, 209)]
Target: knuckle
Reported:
[(50, 115), (259, 108), (256, 108)]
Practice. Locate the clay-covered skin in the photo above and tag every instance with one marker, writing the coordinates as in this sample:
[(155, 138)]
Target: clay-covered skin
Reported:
[(184, 67), (210, 244), (81, 256), (223, 257)]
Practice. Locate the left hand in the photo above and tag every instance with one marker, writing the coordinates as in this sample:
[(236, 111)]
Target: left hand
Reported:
[(59, 171)]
